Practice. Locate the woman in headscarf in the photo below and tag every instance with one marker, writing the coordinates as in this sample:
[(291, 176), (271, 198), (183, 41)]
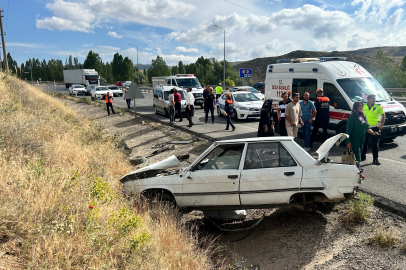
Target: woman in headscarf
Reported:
[(266, 123), (357, 125)]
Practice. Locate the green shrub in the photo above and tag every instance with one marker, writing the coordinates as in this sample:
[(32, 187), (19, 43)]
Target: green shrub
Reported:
[(384, 238), (357, 210)]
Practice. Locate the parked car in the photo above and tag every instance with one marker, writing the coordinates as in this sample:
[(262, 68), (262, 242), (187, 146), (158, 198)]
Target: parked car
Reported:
[(77, 89), (115, 90), (119, 83), (249, 173), (98, 92), (249, 89), (246, 105), (260, 86), (160, 99)]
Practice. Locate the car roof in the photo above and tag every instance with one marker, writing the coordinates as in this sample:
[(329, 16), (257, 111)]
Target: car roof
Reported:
[(258, 139), (240, 92), (242, 87)]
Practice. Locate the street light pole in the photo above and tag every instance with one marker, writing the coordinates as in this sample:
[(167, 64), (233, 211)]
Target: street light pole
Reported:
[(224, 61), (138, 70)]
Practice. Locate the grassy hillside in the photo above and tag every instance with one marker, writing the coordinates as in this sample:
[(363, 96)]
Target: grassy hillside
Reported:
[(61, 205), (364, 57)]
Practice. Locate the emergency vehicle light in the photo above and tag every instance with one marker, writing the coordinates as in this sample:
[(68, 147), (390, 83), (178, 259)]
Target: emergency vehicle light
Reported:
[(283, 60), (184, 75), (315, 69), (291, 69), (332, 58)]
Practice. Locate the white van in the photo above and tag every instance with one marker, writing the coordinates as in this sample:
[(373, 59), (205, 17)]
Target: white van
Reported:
[(343, 82)]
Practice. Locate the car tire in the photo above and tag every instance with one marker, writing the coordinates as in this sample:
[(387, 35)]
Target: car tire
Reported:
[(166, 113), (163, 198), (219, 111), (235, 115)]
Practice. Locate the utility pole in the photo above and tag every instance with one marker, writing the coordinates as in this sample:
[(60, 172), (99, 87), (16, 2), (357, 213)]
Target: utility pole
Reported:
[(2, 40), (1, 63)]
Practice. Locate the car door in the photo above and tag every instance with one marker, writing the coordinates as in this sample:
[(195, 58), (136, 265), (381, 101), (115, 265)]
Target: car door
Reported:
[(213, 180), (270, 174)]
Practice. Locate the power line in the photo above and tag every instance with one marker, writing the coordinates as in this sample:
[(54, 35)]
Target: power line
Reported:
[(374, 32), (296, 26)]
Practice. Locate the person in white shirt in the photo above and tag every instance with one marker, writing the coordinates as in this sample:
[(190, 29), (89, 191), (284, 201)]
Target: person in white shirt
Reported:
[(190, 101), (171, 101)]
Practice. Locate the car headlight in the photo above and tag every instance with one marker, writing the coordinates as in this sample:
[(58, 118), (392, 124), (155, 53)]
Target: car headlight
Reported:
[(243, 108)]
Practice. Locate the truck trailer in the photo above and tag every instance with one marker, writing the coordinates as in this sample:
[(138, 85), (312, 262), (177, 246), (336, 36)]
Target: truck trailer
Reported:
[(83, 77)]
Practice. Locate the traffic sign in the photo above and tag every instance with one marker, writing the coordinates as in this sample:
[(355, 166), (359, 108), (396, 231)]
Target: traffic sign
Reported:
[(245, 73)]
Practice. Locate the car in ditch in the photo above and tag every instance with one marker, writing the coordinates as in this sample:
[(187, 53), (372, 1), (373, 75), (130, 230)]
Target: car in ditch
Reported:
[(249, 173), (246, 105)]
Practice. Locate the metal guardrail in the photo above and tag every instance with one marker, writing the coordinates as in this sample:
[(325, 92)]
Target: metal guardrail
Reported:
[(396, 90)]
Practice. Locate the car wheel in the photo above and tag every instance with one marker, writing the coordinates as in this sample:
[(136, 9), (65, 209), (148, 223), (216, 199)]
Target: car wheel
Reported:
[(235, 115), (310, 208), (219, 112), (162, 198), (166, 113)]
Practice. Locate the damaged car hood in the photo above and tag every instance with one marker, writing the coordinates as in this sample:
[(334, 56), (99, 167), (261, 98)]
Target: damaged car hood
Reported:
[(167, 163), (326, 146)]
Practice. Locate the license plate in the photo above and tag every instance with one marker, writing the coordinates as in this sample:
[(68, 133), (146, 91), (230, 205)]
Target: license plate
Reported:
[(395, 129), (256, 113)]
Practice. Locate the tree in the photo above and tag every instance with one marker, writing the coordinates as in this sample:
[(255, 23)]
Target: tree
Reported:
[(70, 64), (128, 69), (174, 70), (117, 67), (159, 68), (76, 62), (181, 68), (93, 61)]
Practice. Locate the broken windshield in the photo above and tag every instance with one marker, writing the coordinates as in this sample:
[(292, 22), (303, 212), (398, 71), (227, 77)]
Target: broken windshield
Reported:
[(358, 89)]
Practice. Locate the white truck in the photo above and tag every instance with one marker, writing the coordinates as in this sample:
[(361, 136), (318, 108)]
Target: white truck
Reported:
[(84, 77), (183, 81), (343, 82)]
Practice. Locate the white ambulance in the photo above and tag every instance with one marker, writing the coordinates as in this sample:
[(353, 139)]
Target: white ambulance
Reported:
[(343, 82)]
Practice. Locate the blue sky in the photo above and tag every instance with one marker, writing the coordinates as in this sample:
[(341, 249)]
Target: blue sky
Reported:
[(184, 29)]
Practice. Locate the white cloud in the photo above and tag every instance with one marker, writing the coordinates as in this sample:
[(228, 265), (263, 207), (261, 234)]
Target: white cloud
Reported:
[(83, 17), (395, 18), (26, 45), (184, 49), (375, 10), (146, 57), (87, 45), (114, 35)]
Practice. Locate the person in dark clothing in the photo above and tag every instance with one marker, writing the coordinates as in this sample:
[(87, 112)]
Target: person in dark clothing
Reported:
[(109, 103), (178, 107), (229, 111), (281, 113), (266, 122), (322, 105), (209, 105)]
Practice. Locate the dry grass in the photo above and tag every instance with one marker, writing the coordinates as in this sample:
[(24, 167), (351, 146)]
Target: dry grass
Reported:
[(384, 238), (358, 210), (60, 198)]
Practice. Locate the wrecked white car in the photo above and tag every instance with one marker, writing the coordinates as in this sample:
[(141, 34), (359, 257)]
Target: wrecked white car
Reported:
[(248, 174)]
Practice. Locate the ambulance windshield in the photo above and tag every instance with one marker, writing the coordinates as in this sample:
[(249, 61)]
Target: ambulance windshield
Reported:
[(188, 82), (358, 89)]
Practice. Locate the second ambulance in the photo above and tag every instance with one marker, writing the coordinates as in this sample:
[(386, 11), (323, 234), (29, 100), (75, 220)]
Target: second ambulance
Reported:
[(343, 83)]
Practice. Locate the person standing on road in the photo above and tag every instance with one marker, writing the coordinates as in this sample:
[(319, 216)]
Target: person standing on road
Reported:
[(178, 106), (308, 113), (126, 97), (171, 104), (219, 91), (281, 113), (372, 112), (266, 123), (109, 103), (293, 114), (209, 105), (190, 101), (322, 105), (356, 128), (229, 111)]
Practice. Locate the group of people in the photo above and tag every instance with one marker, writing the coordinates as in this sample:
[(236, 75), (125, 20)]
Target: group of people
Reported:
[(362, 125)]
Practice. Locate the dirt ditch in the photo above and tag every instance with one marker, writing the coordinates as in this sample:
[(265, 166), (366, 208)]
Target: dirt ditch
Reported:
[(286, 238)]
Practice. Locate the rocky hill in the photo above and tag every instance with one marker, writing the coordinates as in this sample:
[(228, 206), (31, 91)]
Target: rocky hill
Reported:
[(364, 57)]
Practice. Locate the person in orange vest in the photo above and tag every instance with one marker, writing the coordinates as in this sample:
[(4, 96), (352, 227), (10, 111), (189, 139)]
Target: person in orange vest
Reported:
[(109, 103), (229, 111)]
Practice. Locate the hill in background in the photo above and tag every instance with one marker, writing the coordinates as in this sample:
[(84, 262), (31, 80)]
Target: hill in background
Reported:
[(364, 57)]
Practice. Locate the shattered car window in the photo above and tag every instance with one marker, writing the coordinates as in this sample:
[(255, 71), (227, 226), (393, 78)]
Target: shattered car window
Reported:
[(223, 157), (267, 155)]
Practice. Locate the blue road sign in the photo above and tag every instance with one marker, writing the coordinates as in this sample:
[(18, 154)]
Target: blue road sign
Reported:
[(245, 73)]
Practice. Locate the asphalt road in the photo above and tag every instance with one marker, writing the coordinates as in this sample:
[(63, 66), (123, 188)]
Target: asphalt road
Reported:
[(386, 181)]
